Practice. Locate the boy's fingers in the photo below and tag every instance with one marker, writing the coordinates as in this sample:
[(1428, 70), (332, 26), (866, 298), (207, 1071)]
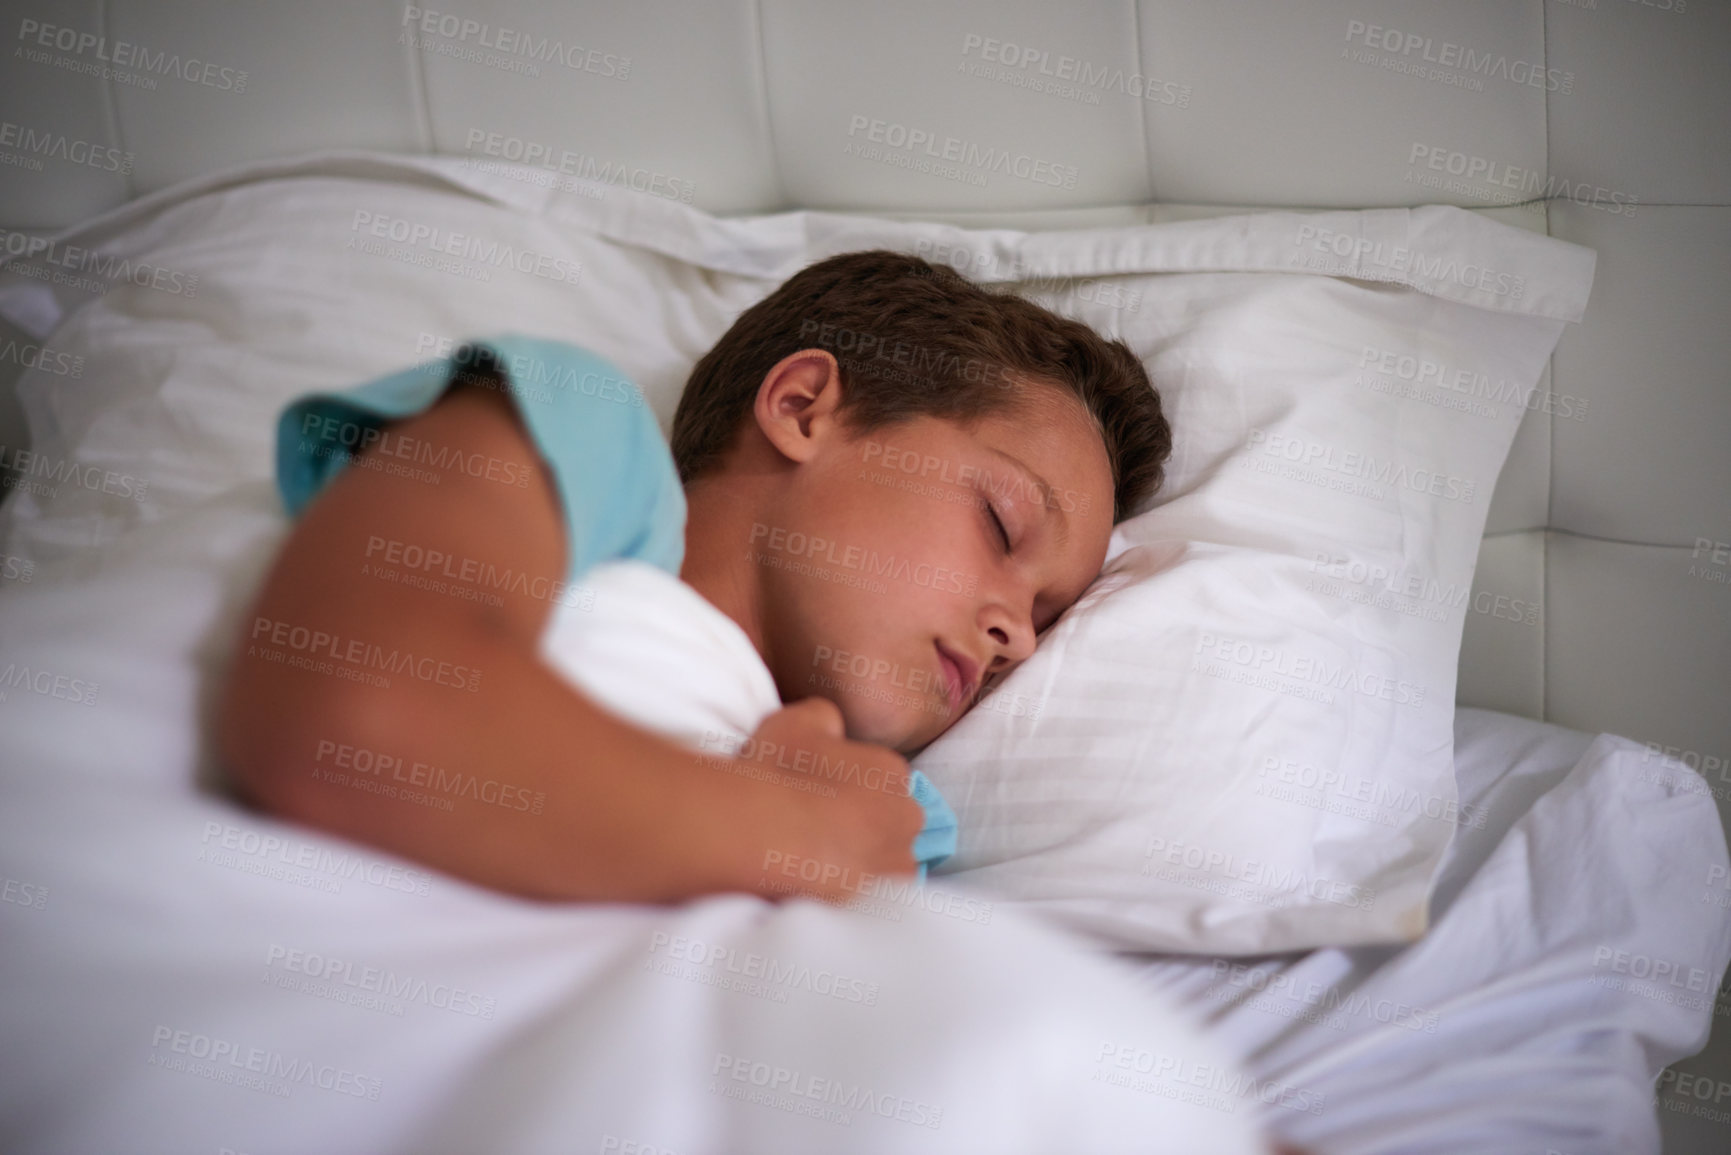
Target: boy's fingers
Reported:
[(822, 714)]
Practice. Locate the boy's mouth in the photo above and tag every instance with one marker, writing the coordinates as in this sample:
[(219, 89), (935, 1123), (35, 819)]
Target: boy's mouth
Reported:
[(959, 674)]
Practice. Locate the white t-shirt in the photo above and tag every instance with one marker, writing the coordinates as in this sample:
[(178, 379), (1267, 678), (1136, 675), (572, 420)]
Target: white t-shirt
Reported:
[(655, 651)]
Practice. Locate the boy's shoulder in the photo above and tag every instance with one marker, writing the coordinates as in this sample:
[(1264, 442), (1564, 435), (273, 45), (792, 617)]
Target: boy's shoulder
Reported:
[(614, 472)]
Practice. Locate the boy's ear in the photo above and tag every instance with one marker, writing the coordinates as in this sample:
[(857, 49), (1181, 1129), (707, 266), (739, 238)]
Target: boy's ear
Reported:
[(798, 402)]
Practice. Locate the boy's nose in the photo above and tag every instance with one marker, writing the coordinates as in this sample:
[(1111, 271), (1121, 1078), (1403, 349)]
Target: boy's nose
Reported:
[(1012, 636)]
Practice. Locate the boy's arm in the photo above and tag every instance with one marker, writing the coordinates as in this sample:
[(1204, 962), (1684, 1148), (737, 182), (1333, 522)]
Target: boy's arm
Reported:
[(626, 815)]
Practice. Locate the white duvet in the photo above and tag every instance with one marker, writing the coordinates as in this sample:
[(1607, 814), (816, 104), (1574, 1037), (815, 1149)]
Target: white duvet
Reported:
[(202, 978)]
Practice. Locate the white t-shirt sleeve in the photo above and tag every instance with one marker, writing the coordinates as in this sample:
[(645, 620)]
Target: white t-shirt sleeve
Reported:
[(648, 647)]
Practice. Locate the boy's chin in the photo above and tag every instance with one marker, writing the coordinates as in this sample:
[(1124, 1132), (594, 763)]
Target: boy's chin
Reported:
[(870, 722), (906, 732)]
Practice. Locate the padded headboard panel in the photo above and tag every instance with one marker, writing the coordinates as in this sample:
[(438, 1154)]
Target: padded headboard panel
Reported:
[(1603, 599)]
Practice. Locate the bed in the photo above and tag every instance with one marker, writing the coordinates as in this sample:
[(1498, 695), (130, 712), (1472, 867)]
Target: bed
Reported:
[(1578, 925)]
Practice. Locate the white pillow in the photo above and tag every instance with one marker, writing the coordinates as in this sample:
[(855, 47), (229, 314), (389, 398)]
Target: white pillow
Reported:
[(1242, 736), (1146, 775)]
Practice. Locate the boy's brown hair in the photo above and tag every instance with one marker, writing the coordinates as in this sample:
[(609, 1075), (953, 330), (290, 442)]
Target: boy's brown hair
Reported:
[(915, 339)]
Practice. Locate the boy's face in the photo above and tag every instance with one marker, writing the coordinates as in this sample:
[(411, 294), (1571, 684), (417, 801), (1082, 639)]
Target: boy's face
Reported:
[(888, 586)]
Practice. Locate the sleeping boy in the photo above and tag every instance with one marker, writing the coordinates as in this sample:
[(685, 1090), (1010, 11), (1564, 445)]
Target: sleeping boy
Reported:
[(515, 635)]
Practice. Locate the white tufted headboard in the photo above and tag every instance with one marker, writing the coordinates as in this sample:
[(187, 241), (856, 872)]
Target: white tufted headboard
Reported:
[(1603, 599)]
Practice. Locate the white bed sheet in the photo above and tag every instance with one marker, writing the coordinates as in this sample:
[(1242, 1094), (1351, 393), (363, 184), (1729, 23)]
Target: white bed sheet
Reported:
[(1533, 1017)]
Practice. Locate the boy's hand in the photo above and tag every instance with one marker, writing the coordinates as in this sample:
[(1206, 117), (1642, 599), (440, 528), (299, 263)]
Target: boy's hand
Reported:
[(841, 842)]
